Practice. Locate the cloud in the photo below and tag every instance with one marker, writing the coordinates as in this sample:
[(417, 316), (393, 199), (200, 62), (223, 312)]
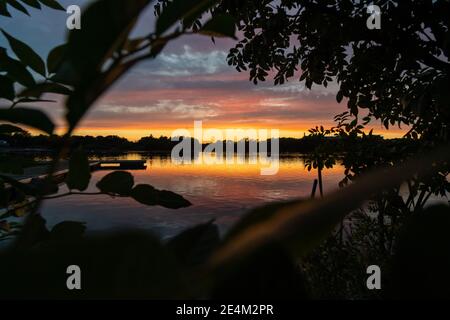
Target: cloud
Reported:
[(276, 102), (188, 63), (162, 109), (299, 88)]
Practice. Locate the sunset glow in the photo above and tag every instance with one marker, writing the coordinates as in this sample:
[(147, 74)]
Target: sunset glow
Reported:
[(191, 81)]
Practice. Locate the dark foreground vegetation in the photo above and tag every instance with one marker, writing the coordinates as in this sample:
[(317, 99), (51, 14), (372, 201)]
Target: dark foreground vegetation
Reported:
[(318, 247)]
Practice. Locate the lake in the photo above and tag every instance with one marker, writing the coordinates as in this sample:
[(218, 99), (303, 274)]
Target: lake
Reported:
[(223, 192)]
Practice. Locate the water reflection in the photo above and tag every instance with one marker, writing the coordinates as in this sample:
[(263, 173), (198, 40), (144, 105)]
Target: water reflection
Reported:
[(218, 191)]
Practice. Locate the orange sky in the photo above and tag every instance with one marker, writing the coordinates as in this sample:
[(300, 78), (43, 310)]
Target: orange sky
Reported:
[(142, 105), (190, 82)]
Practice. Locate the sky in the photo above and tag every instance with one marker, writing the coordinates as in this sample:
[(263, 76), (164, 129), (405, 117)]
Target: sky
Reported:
[(190, 80)]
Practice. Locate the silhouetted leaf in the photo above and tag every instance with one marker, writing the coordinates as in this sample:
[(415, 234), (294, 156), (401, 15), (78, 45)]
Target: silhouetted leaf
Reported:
[(15, 69), (150, 196), (43, 187), (26, 54), (79, 173), (144, 194), (65, 73), (18, 6), (117, 182), (45, 87), (6, 88), (220, 26), (67, 231), (172, 200), (55, 58), (32, 3), (52, 4), (3, 9), (106, 23), (187, 10), (29, 117)]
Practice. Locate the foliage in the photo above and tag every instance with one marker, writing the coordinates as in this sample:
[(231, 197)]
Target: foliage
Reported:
[(84, 68), (398, 74), (260, 256), (138, 265), (21, 5)]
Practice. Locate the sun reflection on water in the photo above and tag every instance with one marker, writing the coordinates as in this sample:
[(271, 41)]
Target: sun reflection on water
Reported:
[(223, 192)]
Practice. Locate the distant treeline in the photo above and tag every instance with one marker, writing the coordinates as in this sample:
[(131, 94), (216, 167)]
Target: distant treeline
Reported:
[(165, 144)]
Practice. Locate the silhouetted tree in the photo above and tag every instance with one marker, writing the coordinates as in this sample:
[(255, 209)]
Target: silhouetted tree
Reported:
[(399, 73)]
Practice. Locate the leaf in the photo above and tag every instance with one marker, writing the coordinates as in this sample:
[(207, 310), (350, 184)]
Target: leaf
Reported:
[(43, 186), (339, 96), (19, 73), (106, 24), (29, 117), (67, 231), (65, 73), (4, 10), (15, 69), (17, 6), (52, 4), (187, 10), (150, 196), (32, 3), (117, 182), (55, 57), (193, 246), (79, 173), (223, 25), (37, 90), (6, 88), (26, 54)]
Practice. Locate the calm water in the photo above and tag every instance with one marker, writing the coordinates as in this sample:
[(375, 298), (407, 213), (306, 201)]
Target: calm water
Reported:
[(221, 192)]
